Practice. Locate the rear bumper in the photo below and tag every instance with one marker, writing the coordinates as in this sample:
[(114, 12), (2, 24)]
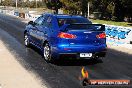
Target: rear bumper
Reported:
[(79, 48), (77, 55), (69, 51)]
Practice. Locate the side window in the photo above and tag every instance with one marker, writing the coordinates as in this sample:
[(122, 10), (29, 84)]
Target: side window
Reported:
[(39, 21), (44, 20), (48, 22), (36, 21)]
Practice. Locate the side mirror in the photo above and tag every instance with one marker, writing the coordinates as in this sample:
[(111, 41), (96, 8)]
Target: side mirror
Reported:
[(31, 23)]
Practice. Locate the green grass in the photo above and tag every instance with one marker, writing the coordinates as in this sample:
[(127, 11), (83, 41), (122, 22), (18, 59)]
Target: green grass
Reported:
[(125, 24)]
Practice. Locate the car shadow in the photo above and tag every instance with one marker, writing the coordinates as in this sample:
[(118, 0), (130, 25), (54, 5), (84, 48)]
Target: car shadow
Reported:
[(36, 50), (76, 62)]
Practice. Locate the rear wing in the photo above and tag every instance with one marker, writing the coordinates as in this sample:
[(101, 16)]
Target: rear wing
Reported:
[(83, 26)]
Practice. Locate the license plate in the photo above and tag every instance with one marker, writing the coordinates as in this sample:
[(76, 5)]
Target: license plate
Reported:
[(85, 54)]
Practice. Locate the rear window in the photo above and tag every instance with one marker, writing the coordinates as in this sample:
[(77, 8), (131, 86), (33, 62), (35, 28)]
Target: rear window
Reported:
[(90, 27), (62, 21)]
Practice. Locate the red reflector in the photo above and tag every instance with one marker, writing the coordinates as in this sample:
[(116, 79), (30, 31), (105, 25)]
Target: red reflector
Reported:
[(66, 35), (66, 49), (102, 35)]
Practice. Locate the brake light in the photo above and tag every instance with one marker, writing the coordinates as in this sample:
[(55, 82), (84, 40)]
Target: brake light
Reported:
[(102, 35), (66, 35)]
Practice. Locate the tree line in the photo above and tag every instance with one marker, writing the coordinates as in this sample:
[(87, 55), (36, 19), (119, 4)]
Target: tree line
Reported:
[(116, 10), (20, 3)]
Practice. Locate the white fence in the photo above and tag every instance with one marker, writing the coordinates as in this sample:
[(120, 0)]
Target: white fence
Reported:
[(28, 16)]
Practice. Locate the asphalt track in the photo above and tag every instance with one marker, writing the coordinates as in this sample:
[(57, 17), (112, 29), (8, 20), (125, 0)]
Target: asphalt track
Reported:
[(62, 74)]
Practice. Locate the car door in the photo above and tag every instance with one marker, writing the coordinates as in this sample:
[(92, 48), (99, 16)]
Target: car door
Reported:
[(34, 30), (45, 29), (48, 28), (41, 30)]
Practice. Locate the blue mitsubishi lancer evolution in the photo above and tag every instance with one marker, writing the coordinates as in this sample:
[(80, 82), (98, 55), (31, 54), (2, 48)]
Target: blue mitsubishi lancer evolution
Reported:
[(66, 35)]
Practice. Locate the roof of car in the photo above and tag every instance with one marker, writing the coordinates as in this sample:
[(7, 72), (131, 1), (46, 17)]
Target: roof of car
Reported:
[(65, 16)]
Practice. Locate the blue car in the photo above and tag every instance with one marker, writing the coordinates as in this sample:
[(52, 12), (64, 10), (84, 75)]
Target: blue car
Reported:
[(60, 36)]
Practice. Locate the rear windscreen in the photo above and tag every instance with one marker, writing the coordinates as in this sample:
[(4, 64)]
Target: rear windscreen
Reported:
[(62, 21), (90, 27)]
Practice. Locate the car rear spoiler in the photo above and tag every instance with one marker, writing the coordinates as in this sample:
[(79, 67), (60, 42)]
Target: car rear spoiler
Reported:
[(65, 27)]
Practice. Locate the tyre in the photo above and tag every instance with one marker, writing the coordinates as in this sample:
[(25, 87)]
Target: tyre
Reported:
[(47, 53), (26, 40)]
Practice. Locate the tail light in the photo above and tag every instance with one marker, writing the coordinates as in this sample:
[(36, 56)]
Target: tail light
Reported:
[(102, 35), (66, 35)]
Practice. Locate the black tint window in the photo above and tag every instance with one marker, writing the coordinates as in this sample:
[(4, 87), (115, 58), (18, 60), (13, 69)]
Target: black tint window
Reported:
[(91, 27), (62, 21)]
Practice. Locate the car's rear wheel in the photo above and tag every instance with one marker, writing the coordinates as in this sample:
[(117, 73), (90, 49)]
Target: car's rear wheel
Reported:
[(47, 53), (26, 40)]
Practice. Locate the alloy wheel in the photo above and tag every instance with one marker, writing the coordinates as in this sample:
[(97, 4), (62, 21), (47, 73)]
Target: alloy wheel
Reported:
[(47, 53)]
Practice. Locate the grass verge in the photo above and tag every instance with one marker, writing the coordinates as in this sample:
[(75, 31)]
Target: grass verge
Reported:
[(125, 24)]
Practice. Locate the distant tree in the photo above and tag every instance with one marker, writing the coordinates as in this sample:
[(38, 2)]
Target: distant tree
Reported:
[(84, 7), (117, 9), (53, 4), (7, 3), (76, 6), (73, 6), (127, 9)]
